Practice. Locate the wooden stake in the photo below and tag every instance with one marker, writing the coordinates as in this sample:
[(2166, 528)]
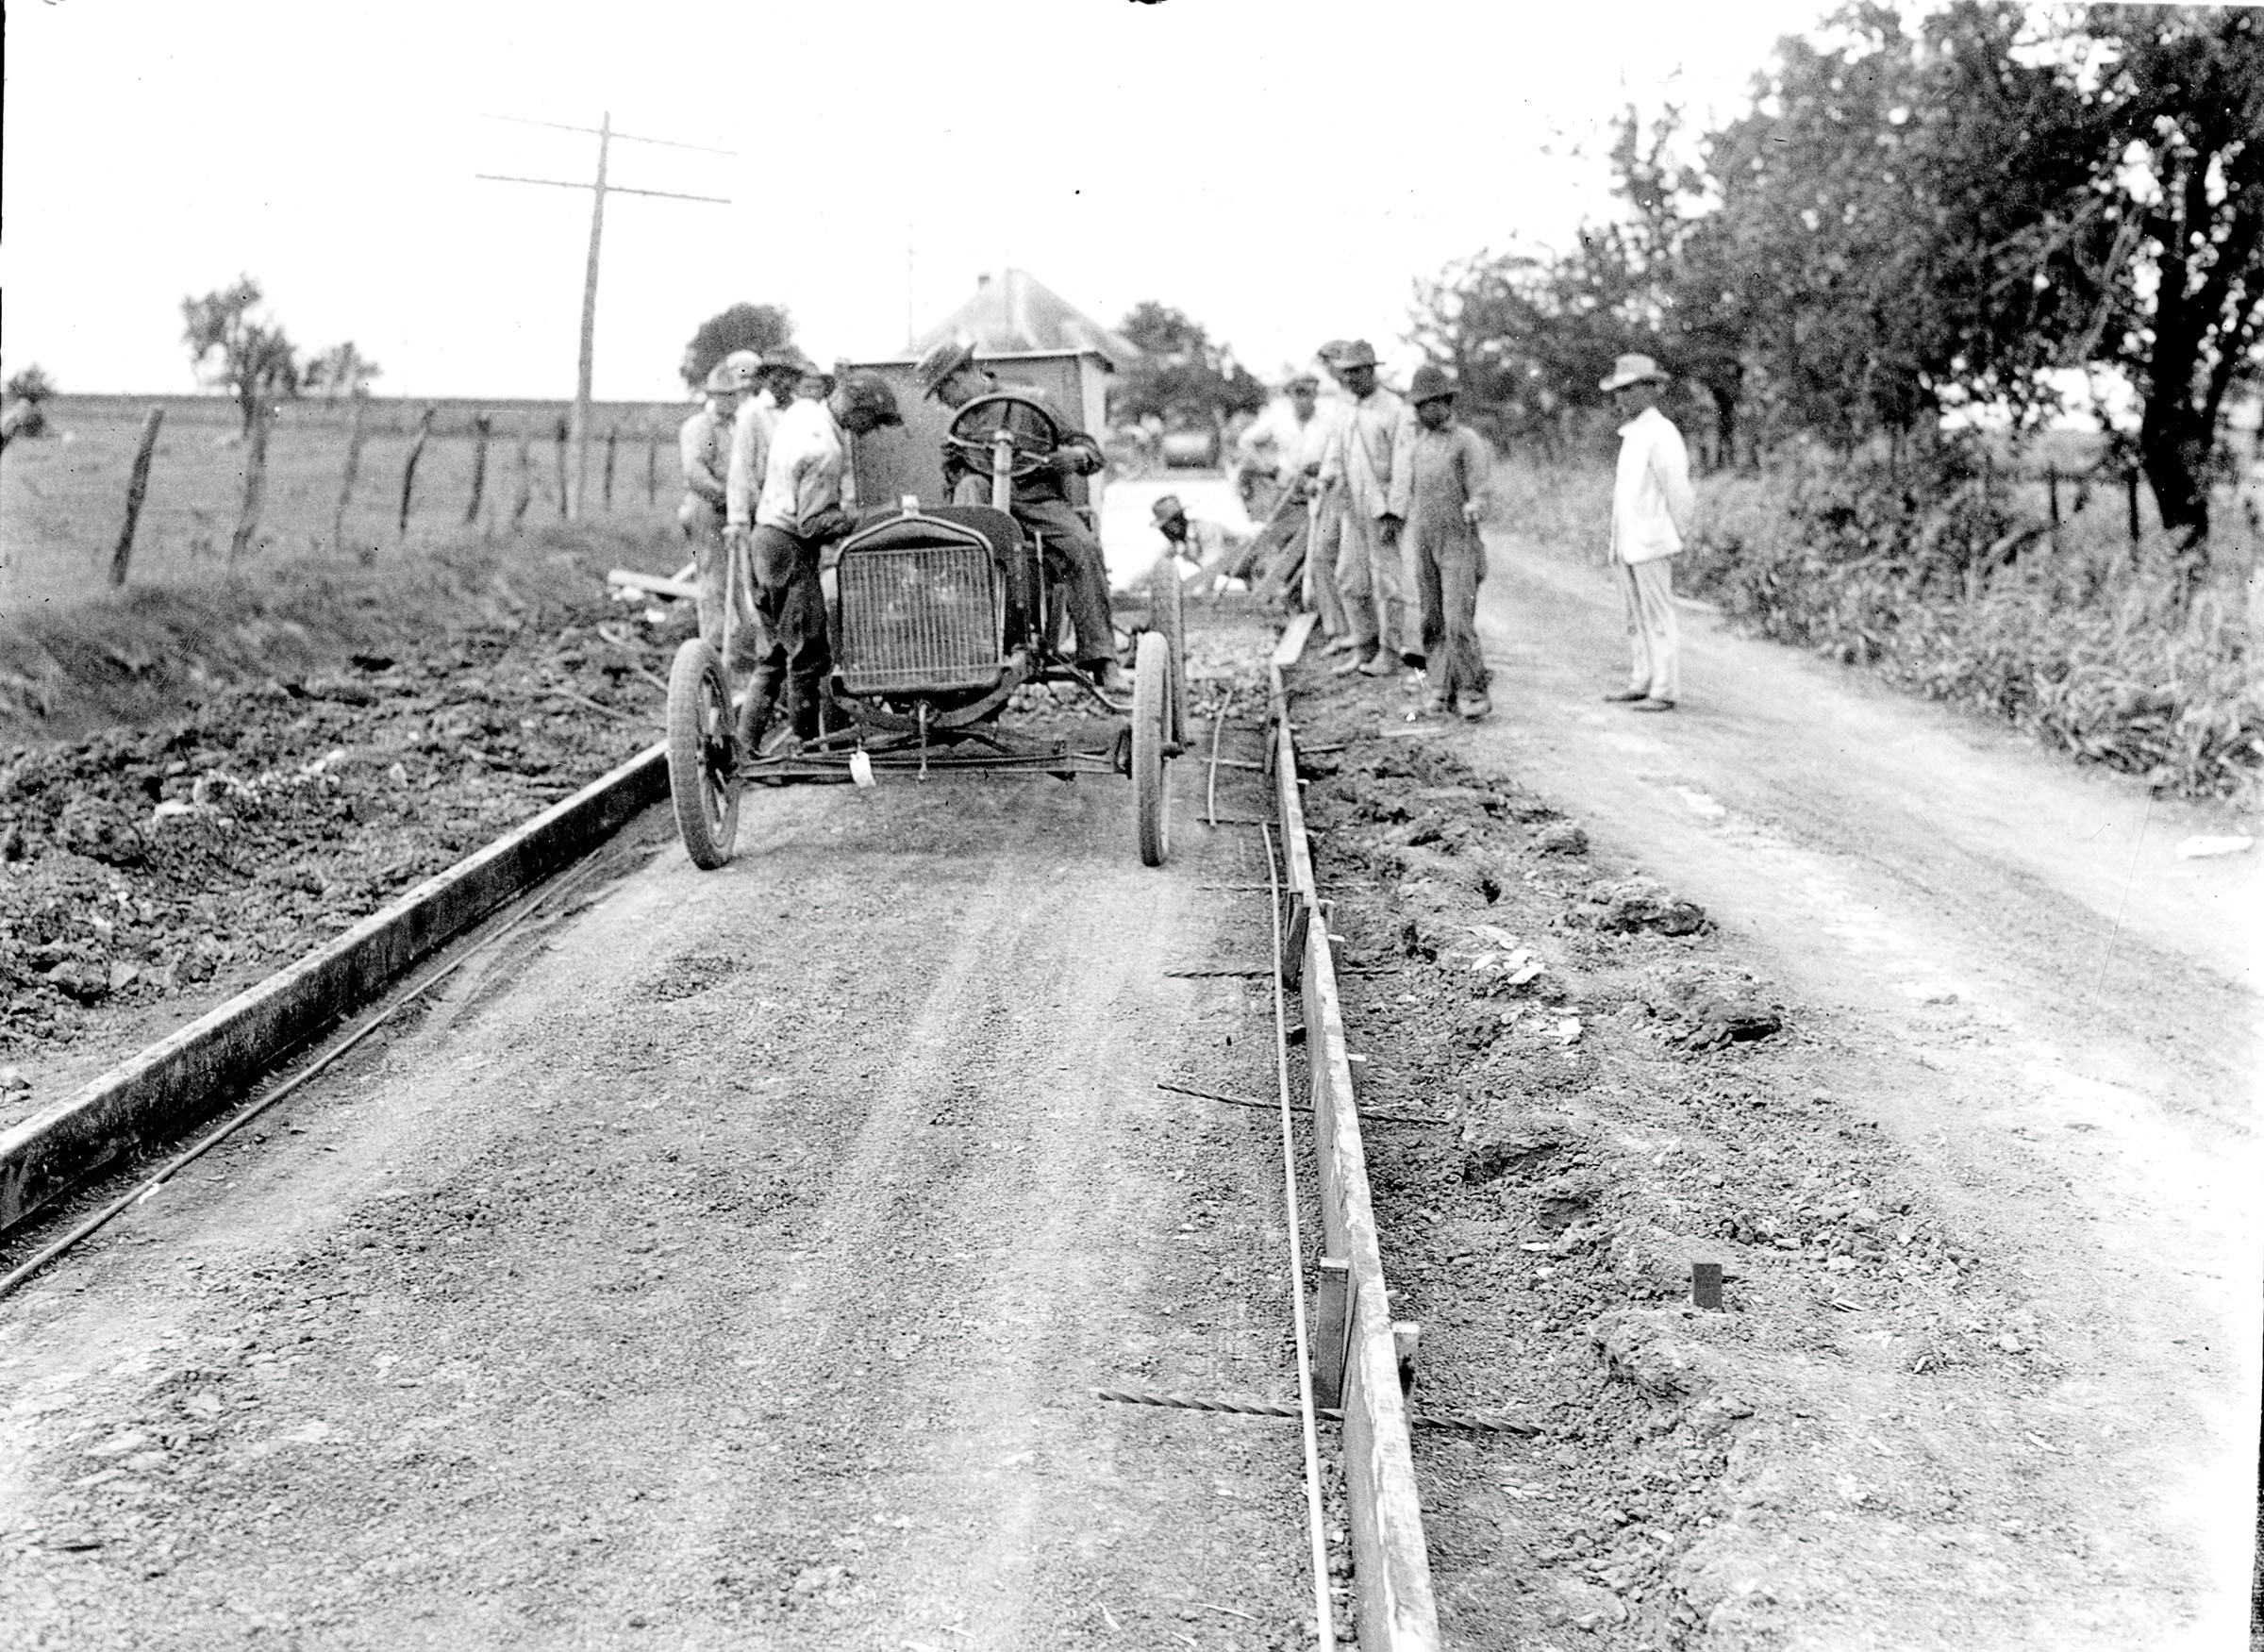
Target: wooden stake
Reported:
[(255, 485), (481, 428), (651, 470), (1332, 1332), (612, 441), (137, 486), (409, 467), (526, 479), (565, 508), (356, 433), (2130, 486)]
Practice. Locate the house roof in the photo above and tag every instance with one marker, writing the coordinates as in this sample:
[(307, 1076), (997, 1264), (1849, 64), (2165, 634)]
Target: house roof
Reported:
[(1014, 311)]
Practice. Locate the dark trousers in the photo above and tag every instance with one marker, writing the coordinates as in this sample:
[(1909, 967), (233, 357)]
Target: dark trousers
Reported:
[(792, 606), (1449, 564), (1073, 557)]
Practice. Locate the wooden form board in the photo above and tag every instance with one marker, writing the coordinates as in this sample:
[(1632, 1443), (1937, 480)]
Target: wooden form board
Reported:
[(1391, 1566), (184, 1078)]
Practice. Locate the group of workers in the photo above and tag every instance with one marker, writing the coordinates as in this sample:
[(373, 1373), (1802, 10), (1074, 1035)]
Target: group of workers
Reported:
[(1371, 504)]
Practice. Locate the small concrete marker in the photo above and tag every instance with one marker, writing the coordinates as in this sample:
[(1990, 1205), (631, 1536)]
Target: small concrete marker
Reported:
[(1706, 1284)]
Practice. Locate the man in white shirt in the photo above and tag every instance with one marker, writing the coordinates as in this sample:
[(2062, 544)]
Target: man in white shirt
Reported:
[(1369, 564), (802, 510), (1326, 509), (1651, 506)]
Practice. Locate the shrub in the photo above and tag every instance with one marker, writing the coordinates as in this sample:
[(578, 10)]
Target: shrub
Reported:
[(1931, 575)]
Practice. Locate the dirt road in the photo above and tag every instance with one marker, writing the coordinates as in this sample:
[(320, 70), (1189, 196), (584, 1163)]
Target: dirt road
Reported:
[(730, 1269), (2053, 1017)]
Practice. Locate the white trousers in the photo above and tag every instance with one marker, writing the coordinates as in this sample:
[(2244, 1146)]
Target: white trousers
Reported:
[(1654, 642)]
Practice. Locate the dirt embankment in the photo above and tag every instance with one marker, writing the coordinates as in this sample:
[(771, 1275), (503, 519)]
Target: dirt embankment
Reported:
[(148, 870), (1882, 1438)]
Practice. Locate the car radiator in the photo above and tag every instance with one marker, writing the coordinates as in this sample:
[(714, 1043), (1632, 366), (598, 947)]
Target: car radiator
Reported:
[(918, 617)]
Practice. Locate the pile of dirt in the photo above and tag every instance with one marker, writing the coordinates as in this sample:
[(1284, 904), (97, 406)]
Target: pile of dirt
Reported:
[(166, 866), (1628, 1099)]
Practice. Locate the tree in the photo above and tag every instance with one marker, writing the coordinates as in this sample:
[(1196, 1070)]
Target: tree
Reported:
[(1181, 376), (2149, 257), (341, 371), (760, 327), (232, 343), (25, 415)]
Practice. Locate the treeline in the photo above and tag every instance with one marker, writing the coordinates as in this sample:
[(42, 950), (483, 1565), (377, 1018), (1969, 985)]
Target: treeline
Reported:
[(1996, 206)]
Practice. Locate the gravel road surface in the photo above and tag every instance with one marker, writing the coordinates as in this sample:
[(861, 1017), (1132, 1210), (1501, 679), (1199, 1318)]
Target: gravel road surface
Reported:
[(727, 1270)]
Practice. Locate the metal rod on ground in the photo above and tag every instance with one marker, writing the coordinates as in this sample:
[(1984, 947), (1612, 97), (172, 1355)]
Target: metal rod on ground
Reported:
[(408, 466), (402, 1000), (1218, 729), (1324, 1620), (137, 488), (357, 432)]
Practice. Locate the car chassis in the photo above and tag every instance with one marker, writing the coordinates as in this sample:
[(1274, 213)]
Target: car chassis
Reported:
[(937, 614)]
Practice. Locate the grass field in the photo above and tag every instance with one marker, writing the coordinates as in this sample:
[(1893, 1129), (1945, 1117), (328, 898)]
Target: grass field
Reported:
[(63, 497)]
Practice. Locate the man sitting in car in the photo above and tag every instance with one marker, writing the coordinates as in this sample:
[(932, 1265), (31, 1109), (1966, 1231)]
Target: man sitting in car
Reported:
[(948, 372)]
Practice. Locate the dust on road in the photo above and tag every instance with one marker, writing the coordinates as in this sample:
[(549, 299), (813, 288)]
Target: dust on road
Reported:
[(731, 1273)]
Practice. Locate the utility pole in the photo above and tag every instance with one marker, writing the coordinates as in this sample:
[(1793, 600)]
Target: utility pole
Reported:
[(578, 427)]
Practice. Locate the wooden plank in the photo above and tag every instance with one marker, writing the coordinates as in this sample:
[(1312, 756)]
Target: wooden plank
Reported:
[(1395, 1607), (653, 584), (1292, 647), (183, 1078)]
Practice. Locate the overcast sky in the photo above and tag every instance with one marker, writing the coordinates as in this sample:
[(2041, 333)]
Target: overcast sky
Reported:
[(1280, 169)]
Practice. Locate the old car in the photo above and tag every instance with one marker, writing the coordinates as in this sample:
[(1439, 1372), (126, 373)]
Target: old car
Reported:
[(938, 613)]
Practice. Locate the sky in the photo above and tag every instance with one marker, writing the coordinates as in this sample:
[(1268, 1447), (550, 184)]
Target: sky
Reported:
[(1281, 170)]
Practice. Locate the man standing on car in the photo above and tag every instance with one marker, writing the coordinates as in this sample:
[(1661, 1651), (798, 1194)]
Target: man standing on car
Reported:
[(1651, 505), (799, 515), (1367, 558), (703, 445), (948, 372)]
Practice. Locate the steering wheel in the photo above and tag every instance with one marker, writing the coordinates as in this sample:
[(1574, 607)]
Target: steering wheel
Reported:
[(1032, 448)]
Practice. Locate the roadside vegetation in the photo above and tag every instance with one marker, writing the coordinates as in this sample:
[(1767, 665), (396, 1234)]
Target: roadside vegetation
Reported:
[(1886, 292)]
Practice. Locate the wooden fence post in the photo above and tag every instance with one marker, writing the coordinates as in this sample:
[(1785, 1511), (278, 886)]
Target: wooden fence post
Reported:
[(526, 479), (137, 487), (357, 432), (2130, 490), (612, 441), (255, 484), (651, 470), (564, 499), (2051, 490), (408, 468), (481, 428)]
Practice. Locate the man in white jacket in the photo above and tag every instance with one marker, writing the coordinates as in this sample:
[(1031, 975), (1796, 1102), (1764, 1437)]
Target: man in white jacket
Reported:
[(1651, 505)]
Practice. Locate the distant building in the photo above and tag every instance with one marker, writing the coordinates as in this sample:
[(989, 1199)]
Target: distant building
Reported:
[(1013, 310)]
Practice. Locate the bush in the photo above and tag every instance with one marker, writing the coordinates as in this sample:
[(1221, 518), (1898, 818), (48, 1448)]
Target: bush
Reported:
[(1935, 578)]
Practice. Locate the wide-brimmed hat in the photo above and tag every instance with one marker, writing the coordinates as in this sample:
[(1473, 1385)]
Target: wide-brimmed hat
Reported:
[(1358, 353), (940, 363), (1633, 369), (1334, 348), (728, 377), (1430, 384), (1308, 380), (1168, 509), (869, 392)]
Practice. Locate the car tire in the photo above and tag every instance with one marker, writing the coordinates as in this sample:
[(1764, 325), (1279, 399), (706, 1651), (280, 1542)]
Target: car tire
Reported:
[(1151, 719), (702, 756)]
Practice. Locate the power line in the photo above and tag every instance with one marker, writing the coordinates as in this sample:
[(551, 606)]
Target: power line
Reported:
[(578, 428)]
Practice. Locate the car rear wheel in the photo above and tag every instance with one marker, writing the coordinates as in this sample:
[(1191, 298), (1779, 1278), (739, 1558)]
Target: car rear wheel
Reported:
[(1150, 720), (702, 756), (1167, 613)]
